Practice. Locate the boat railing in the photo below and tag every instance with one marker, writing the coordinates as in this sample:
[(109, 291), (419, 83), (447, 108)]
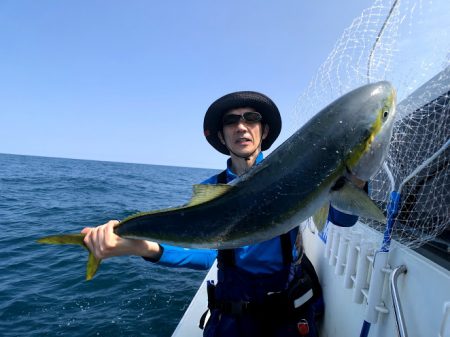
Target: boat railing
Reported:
[(399, 318)]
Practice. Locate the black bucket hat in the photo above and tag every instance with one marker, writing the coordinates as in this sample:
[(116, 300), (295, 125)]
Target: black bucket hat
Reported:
[(241, 99)]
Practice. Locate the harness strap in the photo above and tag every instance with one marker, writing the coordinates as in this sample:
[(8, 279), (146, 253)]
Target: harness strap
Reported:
[(286, 248), (226, 258), (222, 177)]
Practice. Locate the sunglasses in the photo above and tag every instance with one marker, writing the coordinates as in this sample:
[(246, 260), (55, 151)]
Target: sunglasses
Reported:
[(249, 117)]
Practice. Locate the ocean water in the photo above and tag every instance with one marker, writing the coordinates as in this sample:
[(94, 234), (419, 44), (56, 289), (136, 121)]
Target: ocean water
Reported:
[(42, 287)]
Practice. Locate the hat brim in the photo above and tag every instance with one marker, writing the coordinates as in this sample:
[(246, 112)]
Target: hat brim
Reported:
[(212, 122)]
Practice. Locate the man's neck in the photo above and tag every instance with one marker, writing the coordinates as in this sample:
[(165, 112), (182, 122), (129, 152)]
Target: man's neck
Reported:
[(241, 165)]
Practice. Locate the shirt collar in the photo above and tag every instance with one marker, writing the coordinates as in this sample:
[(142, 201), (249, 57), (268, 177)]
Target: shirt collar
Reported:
[(231, 175)]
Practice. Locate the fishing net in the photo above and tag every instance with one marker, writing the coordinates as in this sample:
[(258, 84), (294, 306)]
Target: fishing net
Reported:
[(408, 44)]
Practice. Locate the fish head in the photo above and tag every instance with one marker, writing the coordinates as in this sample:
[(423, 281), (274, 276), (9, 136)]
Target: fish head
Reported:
[(378, 113)]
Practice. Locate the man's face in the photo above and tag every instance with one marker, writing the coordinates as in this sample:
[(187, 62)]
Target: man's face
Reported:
[(243, 138)]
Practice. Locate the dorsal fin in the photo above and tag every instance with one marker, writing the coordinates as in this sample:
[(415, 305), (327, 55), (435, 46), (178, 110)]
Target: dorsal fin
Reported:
[(203, 193)]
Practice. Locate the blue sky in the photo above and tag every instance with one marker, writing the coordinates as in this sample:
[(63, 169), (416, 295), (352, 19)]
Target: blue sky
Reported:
[(130, 81)]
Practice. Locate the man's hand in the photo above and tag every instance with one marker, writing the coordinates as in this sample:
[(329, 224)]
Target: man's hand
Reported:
[(104, 243)]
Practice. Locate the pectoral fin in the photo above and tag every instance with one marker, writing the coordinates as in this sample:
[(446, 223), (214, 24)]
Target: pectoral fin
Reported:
[(321, 216), (352, 200), (74, 239)]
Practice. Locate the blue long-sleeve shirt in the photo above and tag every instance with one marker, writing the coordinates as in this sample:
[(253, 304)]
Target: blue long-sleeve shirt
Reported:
[(261, 258)]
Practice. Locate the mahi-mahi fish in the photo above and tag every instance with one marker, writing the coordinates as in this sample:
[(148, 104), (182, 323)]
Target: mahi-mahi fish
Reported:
[(299, 179)]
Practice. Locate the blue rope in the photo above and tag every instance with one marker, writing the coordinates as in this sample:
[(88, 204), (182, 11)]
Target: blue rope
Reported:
[(365, 329), (392, 211)]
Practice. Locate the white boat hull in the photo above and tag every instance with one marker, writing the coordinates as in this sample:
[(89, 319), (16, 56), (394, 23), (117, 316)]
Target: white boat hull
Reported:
[(424, 291)]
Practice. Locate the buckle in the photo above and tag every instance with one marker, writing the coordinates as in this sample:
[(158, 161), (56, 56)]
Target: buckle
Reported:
[(303, 327)]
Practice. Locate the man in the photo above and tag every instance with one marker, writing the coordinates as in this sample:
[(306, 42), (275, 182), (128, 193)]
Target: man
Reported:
[(265, 289)]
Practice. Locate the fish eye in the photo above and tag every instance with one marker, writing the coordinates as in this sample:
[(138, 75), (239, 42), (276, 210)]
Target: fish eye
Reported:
[(385, 114)]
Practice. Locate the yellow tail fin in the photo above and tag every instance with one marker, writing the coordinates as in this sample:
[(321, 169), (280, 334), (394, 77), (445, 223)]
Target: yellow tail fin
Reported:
[(74, 239)]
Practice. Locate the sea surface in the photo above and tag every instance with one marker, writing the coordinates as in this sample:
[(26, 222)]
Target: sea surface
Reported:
[(43, 291)]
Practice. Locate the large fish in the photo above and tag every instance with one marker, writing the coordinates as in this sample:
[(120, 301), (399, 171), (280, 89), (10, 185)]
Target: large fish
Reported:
[(296, 181)]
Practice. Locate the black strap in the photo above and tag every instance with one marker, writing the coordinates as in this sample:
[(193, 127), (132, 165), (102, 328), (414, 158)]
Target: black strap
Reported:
[(225, 257), (203, 322), (222, 177), (308, 268), (286, 248)]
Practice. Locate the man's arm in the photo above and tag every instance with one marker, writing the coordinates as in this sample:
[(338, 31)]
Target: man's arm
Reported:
[(104, 243)]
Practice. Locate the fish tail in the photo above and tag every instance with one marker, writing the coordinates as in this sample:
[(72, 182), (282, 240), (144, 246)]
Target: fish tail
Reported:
[(74, 239), (92, 266)]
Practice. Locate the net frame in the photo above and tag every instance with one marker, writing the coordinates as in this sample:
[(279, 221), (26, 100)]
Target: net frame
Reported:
[(376, 47)]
